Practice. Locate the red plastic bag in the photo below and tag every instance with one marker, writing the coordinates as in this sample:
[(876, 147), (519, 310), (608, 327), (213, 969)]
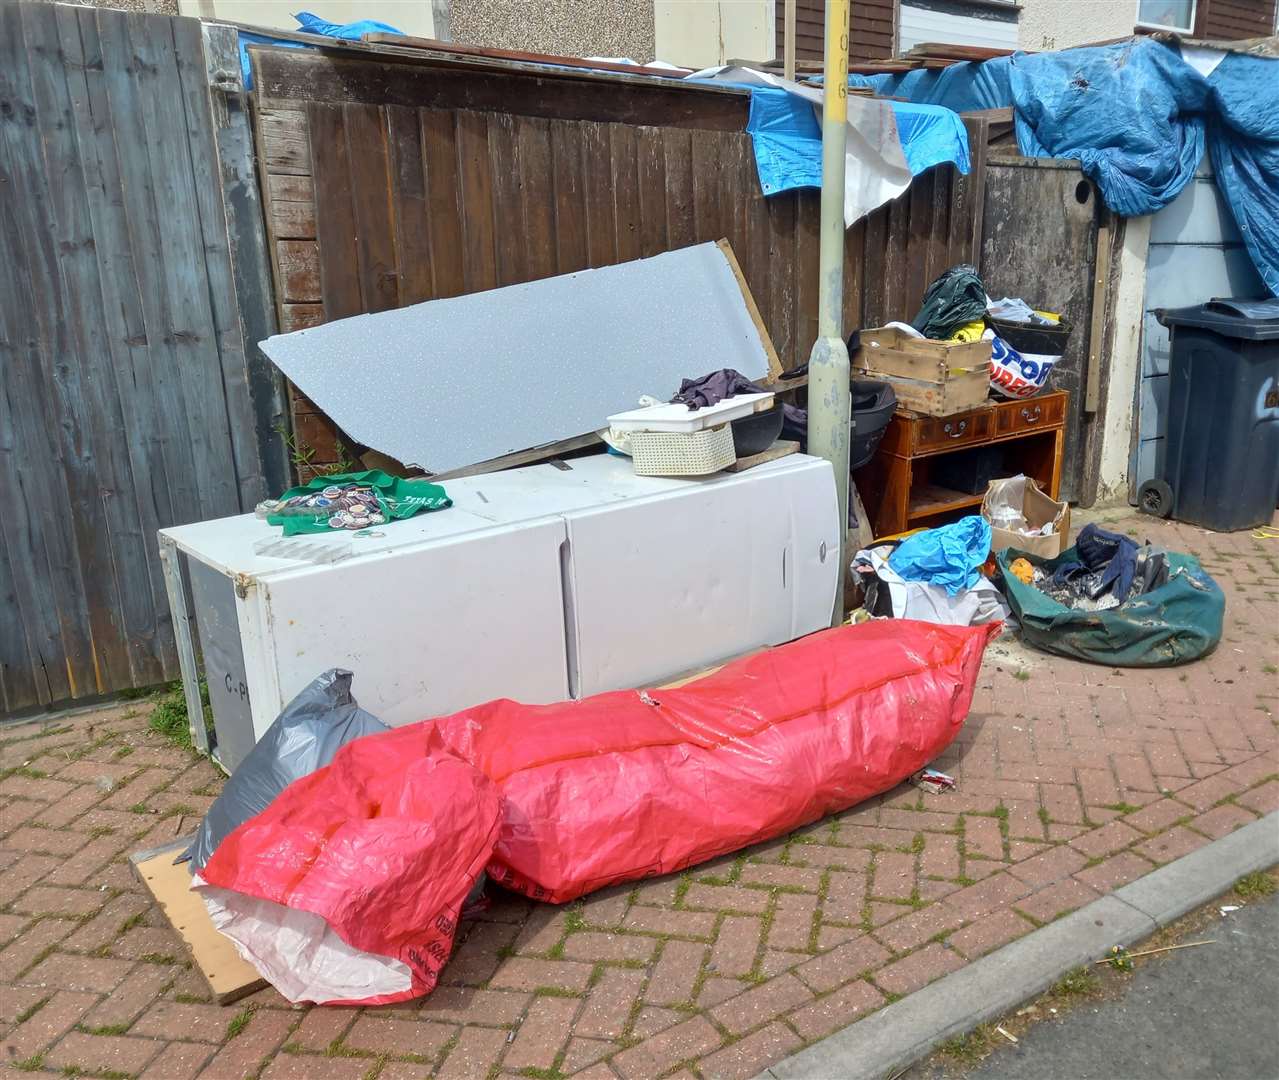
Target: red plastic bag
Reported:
[(348, 887), (632, 784)]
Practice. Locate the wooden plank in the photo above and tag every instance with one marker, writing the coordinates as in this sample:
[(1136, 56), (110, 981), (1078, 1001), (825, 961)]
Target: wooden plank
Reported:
[(213, 268), (300, 316), (40, 369), (805, 273), (1097, 324), (677, 146), (774, 364), (518, 458), (650, 154), (875, 302), (782, 210), (335, 256), (597, 192), (438, 161), (537, 195), (330, 75), (475, 204), (229, 977), (408, 41), (857, 275), (195, 317), (780, 449), (370, 184), (896, 294), (413, 232), (506, 169), (710, 194), (95, 453), (299, 262), (568, 172), (626, 200), (285, 139), (920, 224), (293, 220)]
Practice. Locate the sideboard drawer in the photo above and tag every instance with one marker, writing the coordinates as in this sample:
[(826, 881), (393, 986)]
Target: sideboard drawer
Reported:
[(1011, 416), (945, 432)]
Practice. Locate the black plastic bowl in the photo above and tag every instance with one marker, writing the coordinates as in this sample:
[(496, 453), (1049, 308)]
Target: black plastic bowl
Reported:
[(756, 433)]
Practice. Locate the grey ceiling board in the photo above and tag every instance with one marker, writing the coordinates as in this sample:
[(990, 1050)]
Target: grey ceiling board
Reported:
[(449, 383)]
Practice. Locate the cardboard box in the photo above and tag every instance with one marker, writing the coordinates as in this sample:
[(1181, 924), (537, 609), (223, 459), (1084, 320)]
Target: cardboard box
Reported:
[(1038, 509)]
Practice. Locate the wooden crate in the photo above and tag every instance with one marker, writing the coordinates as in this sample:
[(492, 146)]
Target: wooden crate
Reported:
[(936, 378)]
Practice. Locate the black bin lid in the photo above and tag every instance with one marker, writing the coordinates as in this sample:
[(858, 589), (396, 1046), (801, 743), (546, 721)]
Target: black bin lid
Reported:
[(1251, 320)]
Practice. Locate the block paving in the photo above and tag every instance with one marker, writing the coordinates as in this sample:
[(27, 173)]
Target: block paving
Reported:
[(1073, 779)]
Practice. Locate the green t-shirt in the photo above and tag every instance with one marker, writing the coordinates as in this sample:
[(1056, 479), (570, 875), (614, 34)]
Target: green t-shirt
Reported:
[(396, 497)]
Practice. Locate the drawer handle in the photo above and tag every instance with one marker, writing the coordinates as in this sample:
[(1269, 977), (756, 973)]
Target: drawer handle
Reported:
[(963, 425), (1032, 418)]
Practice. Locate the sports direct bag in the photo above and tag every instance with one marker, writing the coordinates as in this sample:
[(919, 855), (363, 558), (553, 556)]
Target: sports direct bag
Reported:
[(1023, 356), (347, 888), (632, 784)]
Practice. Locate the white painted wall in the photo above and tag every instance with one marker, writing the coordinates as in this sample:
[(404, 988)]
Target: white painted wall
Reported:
[(702, 33), (1061, 24), (918, 25), (411, 16), (1125, 362)]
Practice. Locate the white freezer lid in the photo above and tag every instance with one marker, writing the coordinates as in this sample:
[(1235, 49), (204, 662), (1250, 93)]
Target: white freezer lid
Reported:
[(226, 544), (587, 483), (494, 500)]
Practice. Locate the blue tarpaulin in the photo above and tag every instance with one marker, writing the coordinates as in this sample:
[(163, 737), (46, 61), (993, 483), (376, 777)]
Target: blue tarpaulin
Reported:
[(950, 556), (310, 24), (1138, 118), (788, 139)]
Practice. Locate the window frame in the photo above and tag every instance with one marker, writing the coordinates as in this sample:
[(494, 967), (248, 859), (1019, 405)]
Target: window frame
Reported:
[(1194, 13)]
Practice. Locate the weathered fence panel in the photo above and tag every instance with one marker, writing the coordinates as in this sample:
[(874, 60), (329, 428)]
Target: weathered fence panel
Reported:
[(123, 359), (390, 181)]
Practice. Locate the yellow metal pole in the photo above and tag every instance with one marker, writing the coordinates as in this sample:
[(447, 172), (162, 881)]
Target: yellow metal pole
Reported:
[(829, 402)]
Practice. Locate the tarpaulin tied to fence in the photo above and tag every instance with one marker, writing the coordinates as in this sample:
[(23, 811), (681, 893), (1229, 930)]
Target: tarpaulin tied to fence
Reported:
[(1137, 115)]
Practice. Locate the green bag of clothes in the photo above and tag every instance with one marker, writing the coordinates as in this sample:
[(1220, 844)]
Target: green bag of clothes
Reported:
[(1173, 623), (396, 499)]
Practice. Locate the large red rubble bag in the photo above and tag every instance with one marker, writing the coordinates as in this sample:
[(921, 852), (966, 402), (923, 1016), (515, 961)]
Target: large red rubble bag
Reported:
[(632, 784), (348, 887)]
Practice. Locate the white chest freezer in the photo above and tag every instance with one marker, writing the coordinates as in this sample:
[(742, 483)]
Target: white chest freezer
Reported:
[(538, 584)]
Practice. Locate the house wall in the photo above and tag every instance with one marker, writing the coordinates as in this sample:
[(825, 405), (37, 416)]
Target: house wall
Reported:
[(702, 33), (955, 22), (1062, 24), (411, 16), (871, 33), (566, 27)]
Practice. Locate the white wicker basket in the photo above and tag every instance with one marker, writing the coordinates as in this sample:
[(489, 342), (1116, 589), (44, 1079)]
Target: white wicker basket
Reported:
[(676, 453)]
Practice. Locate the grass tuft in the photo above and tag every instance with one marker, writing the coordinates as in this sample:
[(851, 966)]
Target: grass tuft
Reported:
[(239, 1022), (1077, 983), (1254, 886), (969, 1049)]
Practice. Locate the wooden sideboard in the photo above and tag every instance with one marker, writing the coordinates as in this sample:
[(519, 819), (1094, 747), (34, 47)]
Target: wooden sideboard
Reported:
[(899, 487)]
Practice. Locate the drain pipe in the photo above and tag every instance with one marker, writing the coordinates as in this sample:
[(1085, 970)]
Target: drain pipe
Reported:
[(829, 402)]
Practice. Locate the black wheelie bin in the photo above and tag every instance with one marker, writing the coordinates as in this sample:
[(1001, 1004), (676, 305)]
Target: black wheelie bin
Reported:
[(1222, 453)]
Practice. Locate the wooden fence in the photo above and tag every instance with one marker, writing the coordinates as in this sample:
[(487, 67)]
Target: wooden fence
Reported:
[(391, 180), (128, 290)]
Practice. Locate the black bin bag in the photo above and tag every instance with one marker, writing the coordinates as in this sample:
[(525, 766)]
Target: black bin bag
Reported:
[(313, 727)]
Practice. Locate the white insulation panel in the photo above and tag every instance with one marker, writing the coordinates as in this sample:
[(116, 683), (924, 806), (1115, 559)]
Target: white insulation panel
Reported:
[(454, 382)]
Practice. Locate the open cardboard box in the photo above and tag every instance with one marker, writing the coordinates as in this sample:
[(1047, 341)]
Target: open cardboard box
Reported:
[(1038, 509)]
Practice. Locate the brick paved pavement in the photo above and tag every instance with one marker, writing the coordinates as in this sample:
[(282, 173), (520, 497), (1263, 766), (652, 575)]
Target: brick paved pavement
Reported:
[(1073, 779)]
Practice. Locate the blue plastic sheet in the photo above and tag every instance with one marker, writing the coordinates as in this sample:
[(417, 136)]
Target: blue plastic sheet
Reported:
[(1138, 118), (788, 139), (950, 556), (352, 31), (311, 24)]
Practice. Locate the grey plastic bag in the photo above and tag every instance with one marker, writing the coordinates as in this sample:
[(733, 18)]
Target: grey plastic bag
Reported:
[(313, 727)]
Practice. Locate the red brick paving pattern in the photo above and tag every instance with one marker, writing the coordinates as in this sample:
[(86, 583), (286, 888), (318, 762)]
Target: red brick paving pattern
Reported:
[(1073, 780)]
